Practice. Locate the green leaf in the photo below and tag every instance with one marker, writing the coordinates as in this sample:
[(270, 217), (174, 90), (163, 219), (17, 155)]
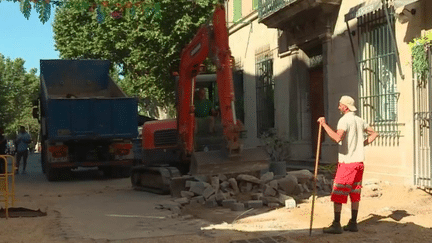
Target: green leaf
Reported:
[(25, 8)]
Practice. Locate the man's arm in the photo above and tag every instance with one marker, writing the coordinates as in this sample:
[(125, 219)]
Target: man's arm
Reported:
[(337, 136), (372, 134)]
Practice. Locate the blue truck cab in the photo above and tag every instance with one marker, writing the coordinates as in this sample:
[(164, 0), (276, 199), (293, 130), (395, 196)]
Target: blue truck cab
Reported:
[(86, 119)]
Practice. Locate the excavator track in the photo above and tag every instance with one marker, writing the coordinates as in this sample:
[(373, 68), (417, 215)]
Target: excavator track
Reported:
[(153, 179)]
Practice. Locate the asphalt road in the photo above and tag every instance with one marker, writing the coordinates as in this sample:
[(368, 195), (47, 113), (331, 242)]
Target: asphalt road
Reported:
[(93, 207)]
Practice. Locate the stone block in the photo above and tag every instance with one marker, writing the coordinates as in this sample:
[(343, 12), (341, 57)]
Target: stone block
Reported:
[(208, 192), (237, 207), (224, 185), (227, 203), (197, 187), (269, 191), (234, 185), (249, 187), (220, 197), (267, 200), (222, 177), (302, 176), (288, 184), (248, 178), (182, 201), (273, 205), (211, 203), (254, 204), (290, 203), (178, 184), (257, 196), (187, 194), (175, 210), (274, 184), (198, 199), (267, 177), (215, 183)]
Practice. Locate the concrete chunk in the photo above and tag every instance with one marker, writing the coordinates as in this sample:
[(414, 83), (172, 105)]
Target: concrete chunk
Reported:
[(215, 183), (302, 176), (290, 203), (248, 178), (227, 203), (197, 187), (237, 207), (267, 177), (182, 200), (187, 194), (269, 191), (288, 184), (222, 177), (211, 203), (254, 204), (274, 184), (273, 205), (208, 192), (198, 199), (234, 185), (178, 184)]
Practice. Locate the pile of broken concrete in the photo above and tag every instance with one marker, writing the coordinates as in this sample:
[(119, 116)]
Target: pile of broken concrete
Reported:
[(243, 191)]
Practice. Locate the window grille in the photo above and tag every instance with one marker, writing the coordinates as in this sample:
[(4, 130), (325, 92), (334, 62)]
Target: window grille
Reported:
[(264, 92), (378, 96)]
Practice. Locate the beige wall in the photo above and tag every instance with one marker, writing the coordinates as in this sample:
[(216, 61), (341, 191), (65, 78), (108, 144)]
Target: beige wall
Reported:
[(388, 158), (244, 40)]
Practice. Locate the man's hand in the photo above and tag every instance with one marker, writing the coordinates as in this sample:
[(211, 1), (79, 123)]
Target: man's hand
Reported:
[(322, 120)]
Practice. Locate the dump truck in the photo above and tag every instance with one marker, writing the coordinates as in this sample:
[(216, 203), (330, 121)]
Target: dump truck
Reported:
[(86, 119)]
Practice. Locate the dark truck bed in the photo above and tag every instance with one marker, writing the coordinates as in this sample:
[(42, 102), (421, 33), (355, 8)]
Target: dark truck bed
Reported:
[(82, 108)]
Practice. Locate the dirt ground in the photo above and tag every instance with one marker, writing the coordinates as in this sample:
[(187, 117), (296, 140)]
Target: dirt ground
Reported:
[(388, 213)]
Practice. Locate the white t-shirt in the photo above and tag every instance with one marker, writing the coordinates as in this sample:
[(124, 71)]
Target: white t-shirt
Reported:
[(351, 148)]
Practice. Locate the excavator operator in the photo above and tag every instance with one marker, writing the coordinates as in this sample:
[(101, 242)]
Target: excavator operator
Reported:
[(204, 112)]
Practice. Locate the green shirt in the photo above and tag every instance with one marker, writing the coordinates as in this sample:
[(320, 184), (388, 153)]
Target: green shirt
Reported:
[(203, 108)]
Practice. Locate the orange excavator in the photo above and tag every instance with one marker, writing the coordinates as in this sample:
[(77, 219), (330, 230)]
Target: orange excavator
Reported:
[(172, 147)]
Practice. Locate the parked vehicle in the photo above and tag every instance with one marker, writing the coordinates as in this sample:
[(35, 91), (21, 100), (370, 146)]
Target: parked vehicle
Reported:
[(86, 119)]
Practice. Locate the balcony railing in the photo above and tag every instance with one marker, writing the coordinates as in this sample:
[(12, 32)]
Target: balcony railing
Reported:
[(268, 7)]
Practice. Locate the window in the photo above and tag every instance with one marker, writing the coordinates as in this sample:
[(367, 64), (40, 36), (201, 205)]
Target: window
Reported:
[(264, 92), (378, 96), (255, 4), (237, 8)]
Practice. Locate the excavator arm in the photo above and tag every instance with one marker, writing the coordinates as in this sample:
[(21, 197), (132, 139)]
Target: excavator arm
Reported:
[(210, 41)]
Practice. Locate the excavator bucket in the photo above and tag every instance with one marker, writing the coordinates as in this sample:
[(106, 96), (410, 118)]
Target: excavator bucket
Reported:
[(220, 162)]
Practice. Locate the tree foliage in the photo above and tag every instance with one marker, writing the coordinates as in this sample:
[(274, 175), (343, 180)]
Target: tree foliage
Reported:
[(18, 89), (145, 46)]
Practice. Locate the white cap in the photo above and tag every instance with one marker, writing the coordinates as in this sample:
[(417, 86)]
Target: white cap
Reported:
[(348, 101)]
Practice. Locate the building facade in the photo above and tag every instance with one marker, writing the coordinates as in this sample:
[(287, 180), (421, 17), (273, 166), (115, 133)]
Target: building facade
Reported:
[(298, 57)]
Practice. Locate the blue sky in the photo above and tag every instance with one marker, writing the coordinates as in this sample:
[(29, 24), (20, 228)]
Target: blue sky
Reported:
[(28, 39)]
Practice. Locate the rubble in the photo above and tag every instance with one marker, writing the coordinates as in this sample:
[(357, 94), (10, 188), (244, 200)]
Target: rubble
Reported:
[(244, 191)]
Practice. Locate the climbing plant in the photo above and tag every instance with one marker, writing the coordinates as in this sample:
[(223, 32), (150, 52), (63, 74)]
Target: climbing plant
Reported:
[(419, 49)]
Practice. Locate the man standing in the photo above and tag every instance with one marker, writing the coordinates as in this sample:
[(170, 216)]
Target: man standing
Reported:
[(22, 141), (349, 174)]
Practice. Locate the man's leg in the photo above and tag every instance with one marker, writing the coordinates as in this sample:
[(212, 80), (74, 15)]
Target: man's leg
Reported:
[(17, 162), (25, 156)]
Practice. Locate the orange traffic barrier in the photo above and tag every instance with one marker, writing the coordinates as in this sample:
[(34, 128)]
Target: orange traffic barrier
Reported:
[(7, 182)]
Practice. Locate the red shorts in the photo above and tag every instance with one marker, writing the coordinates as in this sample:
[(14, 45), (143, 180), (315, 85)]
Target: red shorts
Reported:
[(347, 182)]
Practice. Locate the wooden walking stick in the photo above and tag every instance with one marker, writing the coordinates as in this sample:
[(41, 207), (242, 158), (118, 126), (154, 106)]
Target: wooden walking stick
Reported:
[(315, 177)]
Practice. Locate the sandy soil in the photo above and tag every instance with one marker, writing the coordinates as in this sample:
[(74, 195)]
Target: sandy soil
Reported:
[(388, 213)]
